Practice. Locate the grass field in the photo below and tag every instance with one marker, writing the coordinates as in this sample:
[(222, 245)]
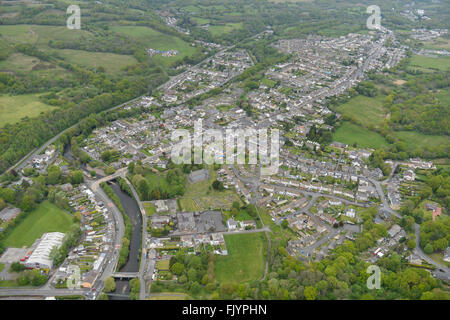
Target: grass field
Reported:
[(428, 63), (157, 40), (169, 296), (437, 44), (8, 283), (149, 208), (418, 141), (39, 35), (350, 133), (364, 110), (220, 30), (245, 260), (113, 63), (201, 196), (18, 62), (162, 264), (45, 218), (14, 108), (2, 266)]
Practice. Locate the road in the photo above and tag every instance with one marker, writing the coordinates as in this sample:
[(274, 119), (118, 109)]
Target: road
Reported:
[(45, 292), (23, 162), (441, 271)]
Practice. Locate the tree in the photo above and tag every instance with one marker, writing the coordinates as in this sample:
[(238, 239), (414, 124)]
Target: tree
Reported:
[(310, 293), (177, 268), (17, 267), (54, 174), (103, 296), (284, 224), (27, 204), (135, 285), (143, 188), (110, 285), (77, 177), (411, 243), (218, 185), (428, 248)]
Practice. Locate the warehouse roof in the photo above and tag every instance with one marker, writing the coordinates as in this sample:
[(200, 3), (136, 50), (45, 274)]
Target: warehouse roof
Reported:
[(41, 255)]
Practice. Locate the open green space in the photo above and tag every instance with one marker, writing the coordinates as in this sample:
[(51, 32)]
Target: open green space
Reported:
[(226, 28), (18, 62), (38, 34), (14, 108), (366, 111), (429, 63), (169, 296), (437, 44), (8, 283), (157, 40), (201, 196), (162, 264), (350, 133), (149, 208), (245, 260), (418, 141), (113, 63), (45, 218)]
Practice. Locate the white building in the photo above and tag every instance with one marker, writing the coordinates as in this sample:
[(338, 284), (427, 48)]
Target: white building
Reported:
[(40, 258)]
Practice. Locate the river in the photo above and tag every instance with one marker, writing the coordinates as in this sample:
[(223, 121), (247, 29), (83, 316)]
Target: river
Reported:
[(132, 210)]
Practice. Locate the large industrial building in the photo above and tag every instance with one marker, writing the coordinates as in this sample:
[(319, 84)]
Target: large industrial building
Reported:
[(40, 258)]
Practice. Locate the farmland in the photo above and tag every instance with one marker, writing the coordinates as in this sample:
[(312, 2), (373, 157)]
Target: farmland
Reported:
[(365, 111), (350, 133), (430, 64), (157, 40), (14, 108), (222, 29), (417, 141), (113, 63), (245, 260)]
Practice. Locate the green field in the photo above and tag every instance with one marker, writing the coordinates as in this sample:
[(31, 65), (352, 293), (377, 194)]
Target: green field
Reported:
[(39, 35), (364, 110), (418, 141), (157, 40), (220, 30), (14, 108), (2, 266), (169, 296), (162, 264), (149, 208), (45, 218), (18, 62), (350, 133), (245, 260), (201, 20), (201, 196), (430, 64), (437, 44), (155, 180), (113, 63)]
